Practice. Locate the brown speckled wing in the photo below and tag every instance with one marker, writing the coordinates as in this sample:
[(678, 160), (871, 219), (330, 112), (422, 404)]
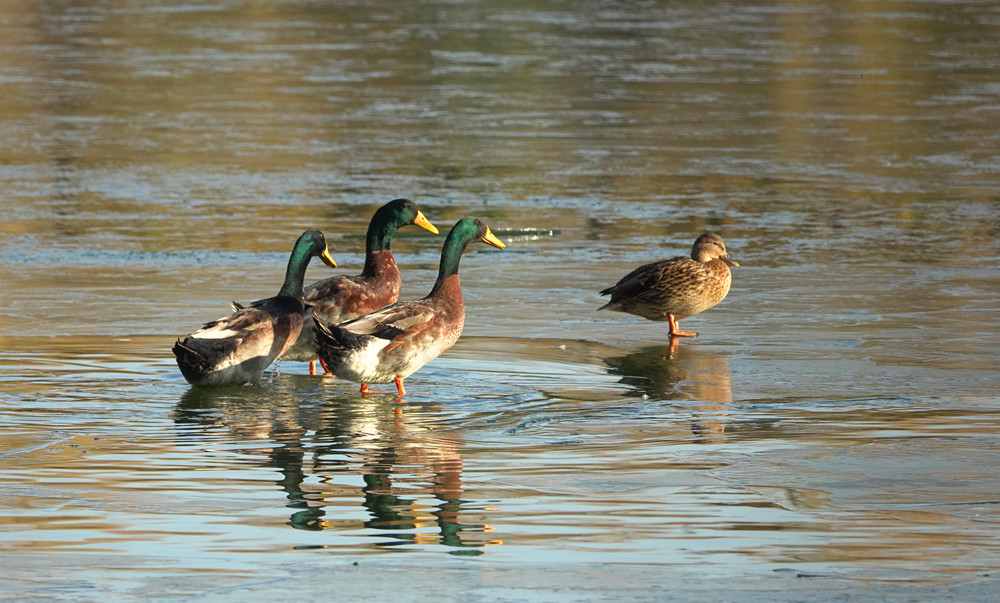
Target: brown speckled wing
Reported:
[(260, 330), (641, 279), (344, 297), (402, 315), (241, 320), (329, 287), (678, 276)]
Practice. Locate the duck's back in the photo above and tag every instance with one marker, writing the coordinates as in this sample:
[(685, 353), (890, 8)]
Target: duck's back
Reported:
[(679, 286), (345, 297), (341, 298), (239, 347), (435, 327), (395, 340)]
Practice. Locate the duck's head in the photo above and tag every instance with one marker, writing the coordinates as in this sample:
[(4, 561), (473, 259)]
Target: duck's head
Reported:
[(402, 212), (710, 246), (462, 233), (467, 230), (312, 243)]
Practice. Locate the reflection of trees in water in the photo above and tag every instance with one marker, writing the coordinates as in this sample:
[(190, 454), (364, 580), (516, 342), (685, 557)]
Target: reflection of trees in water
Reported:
[(678, 372), (399, 455)]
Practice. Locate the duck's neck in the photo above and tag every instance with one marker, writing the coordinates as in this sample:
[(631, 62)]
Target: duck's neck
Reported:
[(451, 255), (296, 272), (380, 233), (448, 291), (380, 264)]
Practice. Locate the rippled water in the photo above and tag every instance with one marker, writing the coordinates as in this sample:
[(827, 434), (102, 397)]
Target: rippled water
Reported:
[(832, 430)]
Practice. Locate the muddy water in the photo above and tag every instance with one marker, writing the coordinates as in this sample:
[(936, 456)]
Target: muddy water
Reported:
[(835, 419)]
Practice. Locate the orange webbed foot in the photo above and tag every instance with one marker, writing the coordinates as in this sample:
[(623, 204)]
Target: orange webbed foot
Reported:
[(675, 330)]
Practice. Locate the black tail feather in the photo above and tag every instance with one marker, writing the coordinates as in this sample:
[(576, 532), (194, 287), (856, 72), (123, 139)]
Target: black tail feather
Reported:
[(193, 364), (333, 339), (384, 331)]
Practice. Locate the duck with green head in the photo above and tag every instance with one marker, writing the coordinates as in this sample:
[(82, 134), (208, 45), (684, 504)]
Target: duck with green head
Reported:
[(676, 288), (238, 348), (389, 344), (343, 297)]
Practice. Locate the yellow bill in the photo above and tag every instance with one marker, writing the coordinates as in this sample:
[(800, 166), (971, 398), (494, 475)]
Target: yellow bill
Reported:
[(327, 259), (490, 239), (729, 260), (424, 223)]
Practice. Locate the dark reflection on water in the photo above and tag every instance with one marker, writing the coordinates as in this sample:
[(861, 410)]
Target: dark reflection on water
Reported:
[(685, 373), (675, 372), (400, 458)]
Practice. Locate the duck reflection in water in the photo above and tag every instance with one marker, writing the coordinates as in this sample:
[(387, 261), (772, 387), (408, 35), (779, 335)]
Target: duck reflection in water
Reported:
[(672, 372), (401, 458)]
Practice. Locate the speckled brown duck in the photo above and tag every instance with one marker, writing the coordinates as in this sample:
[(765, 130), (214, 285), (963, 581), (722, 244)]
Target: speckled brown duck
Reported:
[(344, 297), (674, 289), (391, 343)]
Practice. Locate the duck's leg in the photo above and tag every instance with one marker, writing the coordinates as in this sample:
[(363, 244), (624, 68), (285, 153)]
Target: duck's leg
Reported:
[(675, 331), (326, 369), (364, 389), (312, 367), (399, 385)]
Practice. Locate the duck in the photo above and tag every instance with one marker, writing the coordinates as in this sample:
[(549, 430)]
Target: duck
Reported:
[(340, 298), (677, 288), (238, 348), (390, 344)]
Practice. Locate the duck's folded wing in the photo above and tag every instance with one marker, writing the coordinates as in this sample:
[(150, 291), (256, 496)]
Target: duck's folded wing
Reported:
[(220, 338), (333, 287), (238, 326), (390, 321), (636, 281)]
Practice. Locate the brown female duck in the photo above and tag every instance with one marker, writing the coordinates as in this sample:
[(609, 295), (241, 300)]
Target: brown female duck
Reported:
[(676, 288)]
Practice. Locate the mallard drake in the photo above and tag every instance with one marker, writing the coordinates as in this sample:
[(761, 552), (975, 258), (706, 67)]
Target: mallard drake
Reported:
[(343, 297), (239, 347), (676, 288), (391, 343)]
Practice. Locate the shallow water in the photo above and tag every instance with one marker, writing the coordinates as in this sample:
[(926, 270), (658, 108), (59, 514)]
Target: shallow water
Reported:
[(837, 416)]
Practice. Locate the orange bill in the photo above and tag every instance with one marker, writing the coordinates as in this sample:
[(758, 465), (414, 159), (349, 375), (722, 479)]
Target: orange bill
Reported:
[(490, 239), (424, 223), (327, 259)]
